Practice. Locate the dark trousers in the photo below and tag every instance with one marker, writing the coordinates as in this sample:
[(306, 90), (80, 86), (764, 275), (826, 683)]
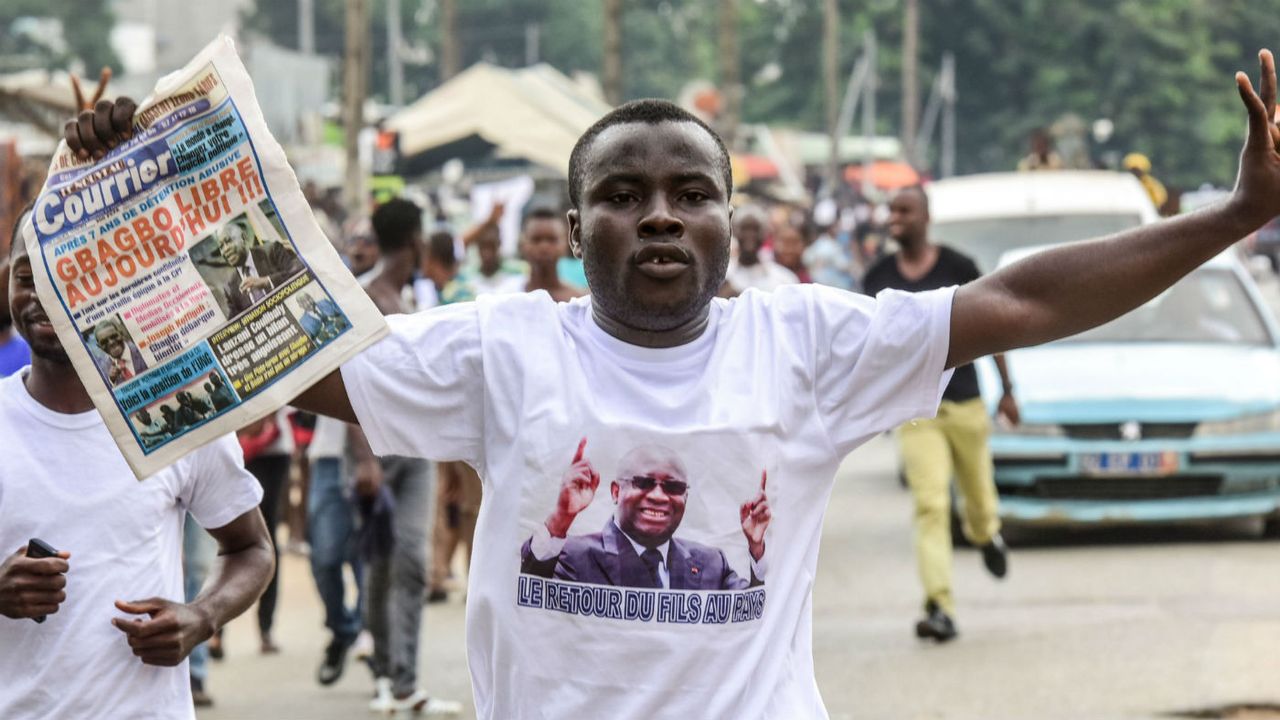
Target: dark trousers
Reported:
[(272, 472)]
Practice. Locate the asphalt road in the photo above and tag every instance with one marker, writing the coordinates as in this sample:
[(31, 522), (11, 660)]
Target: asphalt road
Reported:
[(1120, 623)]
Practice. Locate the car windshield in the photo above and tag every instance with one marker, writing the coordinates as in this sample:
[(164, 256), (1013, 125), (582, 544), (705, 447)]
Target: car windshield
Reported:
[(1208, 306), (986, 240)]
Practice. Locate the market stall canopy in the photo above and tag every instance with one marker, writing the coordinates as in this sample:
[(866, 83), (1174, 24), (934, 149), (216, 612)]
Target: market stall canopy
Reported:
[(813, 148), (884, 174), (534, 114), (34, 104)]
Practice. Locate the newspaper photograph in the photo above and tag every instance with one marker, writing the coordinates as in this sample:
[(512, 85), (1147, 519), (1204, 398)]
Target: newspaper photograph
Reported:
[(184, 272)]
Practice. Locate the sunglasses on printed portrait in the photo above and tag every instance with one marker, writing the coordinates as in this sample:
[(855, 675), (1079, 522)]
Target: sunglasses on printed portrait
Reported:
[(645, 483)]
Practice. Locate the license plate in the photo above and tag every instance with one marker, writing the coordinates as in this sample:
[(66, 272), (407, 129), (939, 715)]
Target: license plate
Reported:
[(1129, 463)]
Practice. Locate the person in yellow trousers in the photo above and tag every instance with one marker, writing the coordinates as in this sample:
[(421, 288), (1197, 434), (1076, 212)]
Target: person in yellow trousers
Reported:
[(953, 444)]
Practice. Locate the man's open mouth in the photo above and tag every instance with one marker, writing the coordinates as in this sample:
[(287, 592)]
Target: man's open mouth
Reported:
[(662, 261), (655, 514)]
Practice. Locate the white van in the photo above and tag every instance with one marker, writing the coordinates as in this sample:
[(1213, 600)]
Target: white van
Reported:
[(983, 216)]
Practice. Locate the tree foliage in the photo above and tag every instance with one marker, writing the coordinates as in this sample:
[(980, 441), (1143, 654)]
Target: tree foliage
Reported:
[(82, 23), (1160, 70)]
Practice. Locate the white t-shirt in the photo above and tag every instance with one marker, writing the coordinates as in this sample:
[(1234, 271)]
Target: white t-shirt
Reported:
[(764, 275), (64, 481), (785, 383), (500, 283)]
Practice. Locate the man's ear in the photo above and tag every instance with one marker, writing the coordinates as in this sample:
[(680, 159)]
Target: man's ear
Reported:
[(575, 233), (613, 491)]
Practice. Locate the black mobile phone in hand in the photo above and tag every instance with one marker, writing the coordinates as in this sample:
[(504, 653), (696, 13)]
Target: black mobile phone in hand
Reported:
[(37, 548)]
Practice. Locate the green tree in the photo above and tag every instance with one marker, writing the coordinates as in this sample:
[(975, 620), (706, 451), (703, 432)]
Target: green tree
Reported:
[(82, 29), (278, 22)]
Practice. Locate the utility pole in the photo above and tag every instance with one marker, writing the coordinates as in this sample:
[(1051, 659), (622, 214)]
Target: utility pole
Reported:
[(869, 110), (395, 68), (307, 26), (532, 36), (355, 86), (948, 163), (830, 67), (612, 70), (730, 84), (449, 55), (910, 91)]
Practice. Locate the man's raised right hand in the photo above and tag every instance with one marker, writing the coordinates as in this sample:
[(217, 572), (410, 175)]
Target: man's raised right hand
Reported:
[(96, 131), (577, 490), (32, 587)]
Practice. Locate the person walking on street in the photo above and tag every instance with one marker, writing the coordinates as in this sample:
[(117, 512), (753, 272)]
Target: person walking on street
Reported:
[(268, 450), (751, 269), (395, 583), (100, 629), (954, 443), (543, 241)]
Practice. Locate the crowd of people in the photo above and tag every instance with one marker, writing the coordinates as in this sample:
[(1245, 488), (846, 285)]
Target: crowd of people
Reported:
[(396, 524), (722, 419)]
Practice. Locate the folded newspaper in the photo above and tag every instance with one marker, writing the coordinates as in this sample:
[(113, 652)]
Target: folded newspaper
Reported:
[(184, 272)]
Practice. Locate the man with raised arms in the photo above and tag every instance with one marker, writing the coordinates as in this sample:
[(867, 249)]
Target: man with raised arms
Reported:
[(790, 380)]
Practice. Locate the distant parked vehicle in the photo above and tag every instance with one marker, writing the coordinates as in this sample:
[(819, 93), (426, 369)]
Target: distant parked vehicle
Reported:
[(1265, 241), (1169, 413), (986, 215)]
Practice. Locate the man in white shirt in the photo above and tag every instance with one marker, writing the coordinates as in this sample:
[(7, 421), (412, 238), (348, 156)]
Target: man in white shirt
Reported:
[(786, 383), (102, 652), (751, 269)]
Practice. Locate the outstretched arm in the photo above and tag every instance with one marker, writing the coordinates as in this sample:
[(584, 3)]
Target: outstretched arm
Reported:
[(328, 397), (1070, 289)]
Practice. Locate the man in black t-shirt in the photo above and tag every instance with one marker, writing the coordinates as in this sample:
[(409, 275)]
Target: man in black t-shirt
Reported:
[(955, 442)]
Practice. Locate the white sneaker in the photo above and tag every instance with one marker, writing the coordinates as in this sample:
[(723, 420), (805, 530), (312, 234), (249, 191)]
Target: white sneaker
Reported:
[(420, 703), (383, 701), (362, 649), (437, 707)]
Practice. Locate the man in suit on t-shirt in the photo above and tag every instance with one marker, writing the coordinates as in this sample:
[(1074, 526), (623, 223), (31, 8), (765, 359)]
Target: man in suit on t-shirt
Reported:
[(953, 443), (636, 548)]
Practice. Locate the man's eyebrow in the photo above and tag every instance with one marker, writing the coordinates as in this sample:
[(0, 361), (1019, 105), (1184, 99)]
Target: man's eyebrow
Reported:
[(622, 177), (694, 176)]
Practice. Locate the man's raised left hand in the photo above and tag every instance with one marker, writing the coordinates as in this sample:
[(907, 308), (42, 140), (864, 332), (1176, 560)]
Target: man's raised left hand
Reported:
[(1257, 193)]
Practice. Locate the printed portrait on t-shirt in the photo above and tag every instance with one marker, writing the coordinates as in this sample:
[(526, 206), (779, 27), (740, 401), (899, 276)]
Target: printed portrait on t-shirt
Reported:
[(644, 514)]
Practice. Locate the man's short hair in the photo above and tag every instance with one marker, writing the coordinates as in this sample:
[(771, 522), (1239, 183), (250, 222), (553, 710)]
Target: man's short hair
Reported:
[(650, 112), (395, 223), (247, 235), (919, 190), (440, 247), (541, 213)]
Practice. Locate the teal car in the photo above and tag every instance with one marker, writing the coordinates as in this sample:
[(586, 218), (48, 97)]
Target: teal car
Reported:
[(1169, 413)]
